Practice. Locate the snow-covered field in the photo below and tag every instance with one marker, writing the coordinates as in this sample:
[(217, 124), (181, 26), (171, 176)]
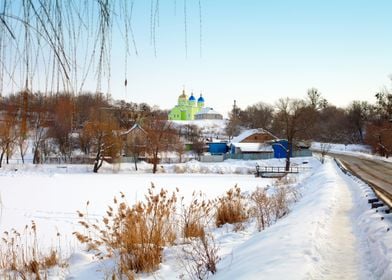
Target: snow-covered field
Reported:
[(323, 237)]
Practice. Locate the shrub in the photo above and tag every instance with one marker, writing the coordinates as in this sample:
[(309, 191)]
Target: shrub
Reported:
[(200, 258), (269, 208), (282, 198), (262, 208), (231, 208)]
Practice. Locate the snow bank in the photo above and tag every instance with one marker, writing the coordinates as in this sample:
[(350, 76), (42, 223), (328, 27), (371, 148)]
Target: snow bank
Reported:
[(374, 230), (307, 243), (343, 148), (229, 166), (349, 149), (288, 249)]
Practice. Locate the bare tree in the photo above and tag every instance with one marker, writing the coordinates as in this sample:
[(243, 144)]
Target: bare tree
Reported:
[(315, 99), (324, 150), (190, 132), (159, 134), (293, 117), (198, 146), (137, 148), (135, 143), (332, 126), (23, 125), (62, 127), (233, 125), (39, 136), (40, 120), (358, 113), (8, 135), (106, 143), (379, 137), (259, 115), (179, 148), (384, 105)]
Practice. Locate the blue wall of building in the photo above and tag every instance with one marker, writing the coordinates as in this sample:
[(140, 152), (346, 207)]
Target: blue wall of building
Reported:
[(217, 148), (250, 156), (280, 149)]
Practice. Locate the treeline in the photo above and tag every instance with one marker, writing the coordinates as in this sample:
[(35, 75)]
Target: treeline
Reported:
[(91, 125), (314, 118)]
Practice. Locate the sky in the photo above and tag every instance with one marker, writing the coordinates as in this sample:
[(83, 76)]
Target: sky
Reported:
[(254, 51)]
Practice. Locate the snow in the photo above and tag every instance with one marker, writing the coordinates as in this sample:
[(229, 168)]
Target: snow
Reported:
[(373, 229), (135, 126), (357, 150), (207, 110), (343, 148), (324, 237), (209, 128), (245, 134), (253, 147), (330, 233)]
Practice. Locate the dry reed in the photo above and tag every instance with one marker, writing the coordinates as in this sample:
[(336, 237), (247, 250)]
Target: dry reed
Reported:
[(21, 255), (231, 208)]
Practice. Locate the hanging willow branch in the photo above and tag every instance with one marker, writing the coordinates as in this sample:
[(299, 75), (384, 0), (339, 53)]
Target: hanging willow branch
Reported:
[(59, 45)]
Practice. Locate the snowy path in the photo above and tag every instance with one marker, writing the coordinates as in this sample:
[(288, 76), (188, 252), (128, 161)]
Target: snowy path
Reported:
[(317, 240), (339, 257)]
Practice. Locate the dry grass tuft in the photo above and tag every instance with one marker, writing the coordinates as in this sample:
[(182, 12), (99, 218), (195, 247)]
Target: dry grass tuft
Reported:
[(195, 216), (231, 208), (136, 234), (21, 255)]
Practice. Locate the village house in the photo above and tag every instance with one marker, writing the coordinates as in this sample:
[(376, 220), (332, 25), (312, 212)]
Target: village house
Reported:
[(253, 144), (135, 143)]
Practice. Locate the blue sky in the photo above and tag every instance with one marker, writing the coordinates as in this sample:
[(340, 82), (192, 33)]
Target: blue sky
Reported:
[(252, 51), (259, 51)]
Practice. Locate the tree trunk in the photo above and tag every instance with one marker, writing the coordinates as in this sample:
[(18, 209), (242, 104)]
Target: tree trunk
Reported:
[(7, 156), (154, 168), (155, 162), (287, 168), (36, 156), (360, 132), (98, 162), (135, 160), (288, 151), (21, 152), (1, 157)]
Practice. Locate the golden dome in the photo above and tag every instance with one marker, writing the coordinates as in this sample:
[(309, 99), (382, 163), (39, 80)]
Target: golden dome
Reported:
[(183, 95)]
